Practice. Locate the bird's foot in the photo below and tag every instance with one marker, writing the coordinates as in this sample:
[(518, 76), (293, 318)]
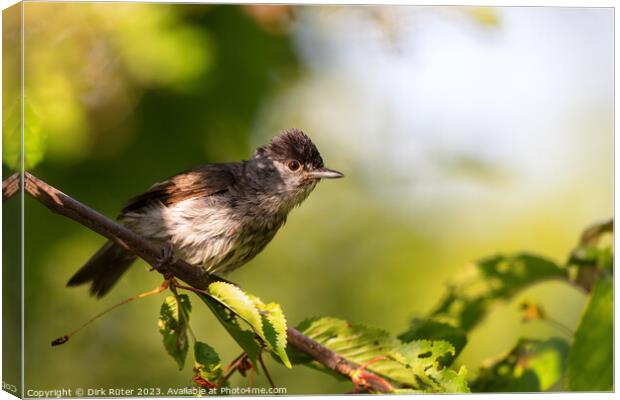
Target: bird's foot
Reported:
[(166, 258)]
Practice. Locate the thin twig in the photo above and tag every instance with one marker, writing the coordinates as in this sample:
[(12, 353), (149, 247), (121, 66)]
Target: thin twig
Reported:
[(252, 371), (198, 278), (262, 364), (592, 233), (65, 338), (234, 362), (332, 360), (193, 289)]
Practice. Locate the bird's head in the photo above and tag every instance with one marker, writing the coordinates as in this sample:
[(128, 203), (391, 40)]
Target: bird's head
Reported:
[(297, 161)]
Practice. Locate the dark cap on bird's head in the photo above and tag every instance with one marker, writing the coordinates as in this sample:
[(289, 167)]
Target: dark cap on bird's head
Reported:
[(295, 149)]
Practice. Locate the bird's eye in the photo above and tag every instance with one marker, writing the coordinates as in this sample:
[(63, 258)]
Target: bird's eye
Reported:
[(294, 165)]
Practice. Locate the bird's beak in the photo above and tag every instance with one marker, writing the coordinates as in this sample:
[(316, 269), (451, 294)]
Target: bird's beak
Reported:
[(325, 173)]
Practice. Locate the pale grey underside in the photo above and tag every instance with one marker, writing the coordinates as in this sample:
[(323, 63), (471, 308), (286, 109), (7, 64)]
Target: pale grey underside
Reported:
[(210, 231)]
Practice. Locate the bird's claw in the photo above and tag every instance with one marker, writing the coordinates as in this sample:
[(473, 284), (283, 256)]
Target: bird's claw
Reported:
[(166, 258)]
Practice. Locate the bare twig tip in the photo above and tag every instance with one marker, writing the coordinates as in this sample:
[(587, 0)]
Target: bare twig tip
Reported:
[(60, 340)]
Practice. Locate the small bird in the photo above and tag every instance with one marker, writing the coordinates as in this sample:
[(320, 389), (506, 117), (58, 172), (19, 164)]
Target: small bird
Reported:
[(216, 216)]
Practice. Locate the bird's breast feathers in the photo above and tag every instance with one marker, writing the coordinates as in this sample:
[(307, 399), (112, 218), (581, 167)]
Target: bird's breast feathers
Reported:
[(204, 232)]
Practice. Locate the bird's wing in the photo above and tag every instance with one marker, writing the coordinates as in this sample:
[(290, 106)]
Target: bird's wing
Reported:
[(199, 182)]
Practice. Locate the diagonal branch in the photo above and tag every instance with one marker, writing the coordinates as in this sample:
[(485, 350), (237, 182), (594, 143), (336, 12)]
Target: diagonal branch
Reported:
[(65, 205), (60, 203), (10, 186)]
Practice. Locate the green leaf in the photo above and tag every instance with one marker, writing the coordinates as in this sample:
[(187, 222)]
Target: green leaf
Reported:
[(207, 362), (491, 280), (266, 320), (233, 298), (590, 363), (593, 256), (274, 327), (435, 330), (531, 366), (173, 320), (424, 360), (244, 338), (415, 365)]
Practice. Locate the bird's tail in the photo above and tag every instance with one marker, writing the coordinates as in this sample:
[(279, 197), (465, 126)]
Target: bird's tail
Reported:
[(103, 269)]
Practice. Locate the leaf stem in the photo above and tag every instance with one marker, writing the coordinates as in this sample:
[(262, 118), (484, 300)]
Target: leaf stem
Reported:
[(232, 366), (262, 364)]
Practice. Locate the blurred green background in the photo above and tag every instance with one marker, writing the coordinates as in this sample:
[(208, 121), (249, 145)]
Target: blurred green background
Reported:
[(462, 132)]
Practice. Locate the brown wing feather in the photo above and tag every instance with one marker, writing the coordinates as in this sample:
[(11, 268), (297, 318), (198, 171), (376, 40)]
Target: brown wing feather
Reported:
[(199, 182)]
